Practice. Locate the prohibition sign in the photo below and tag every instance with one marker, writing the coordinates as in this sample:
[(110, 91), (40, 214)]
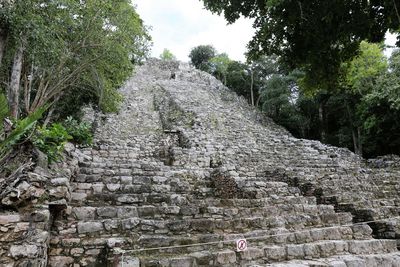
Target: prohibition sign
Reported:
[(241, 245)]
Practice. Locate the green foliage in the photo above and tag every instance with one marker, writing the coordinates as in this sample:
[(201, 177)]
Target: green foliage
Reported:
[(388, 85), (167, 55), (76, 52), (51, 140), (363, 70), (21, 129), (219, 66), (80, 132), (3, 109), (311, 35), (201, 55)]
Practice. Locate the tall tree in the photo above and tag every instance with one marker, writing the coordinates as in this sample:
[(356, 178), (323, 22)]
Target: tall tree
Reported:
[(167, 55), (219, 66), (200, 56), (56, 48), (315, 36)]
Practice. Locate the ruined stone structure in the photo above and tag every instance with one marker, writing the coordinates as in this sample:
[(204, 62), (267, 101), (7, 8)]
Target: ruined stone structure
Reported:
[(184, 170)]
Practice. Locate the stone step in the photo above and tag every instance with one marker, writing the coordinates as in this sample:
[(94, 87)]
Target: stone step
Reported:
[(181, 244), (199, 225), (381, 259), (204, 211), (254, 256)]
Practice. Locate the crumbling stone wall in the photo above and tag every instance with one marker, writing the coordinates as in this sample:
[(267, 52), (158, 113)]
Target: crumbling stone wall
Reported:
[(29, 205)]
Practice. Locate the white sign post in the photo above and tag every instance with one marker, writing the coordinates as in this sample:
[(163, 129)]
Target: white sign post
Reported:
[(241, 245)]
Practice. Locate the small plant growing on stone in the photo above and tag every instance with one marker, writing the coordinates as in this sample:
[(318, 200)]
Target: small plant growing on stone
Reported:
[(51, 140), (81, 132)]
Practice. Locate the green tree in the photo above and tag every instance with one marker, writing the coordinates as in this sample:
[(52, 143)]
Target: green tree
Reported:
[(69, 51), (201, 55), (219, 66), (315, 36), (167, 55)]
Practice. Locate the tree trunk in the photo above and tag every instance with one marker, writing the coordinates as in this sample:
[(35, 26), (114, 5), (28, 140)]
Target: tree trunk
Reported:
[(13, 90), (251, 88), (360, 147), (258, 101), (3, 40), (321, 113), (356, 135)]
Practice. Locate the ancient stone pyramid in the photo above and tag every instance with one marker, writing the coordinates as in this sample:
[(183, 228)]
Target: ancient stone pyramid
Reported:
[(187, 168)]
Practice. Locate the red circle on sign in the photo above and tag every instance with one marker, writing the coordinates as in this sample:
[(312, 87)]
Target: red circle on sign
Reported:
[(242, 244)]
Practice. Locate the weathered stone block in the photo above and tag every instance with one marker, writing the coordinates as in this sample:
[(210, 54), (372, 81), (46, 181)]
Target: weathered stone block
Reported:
[(225, 257), (25, 251), (311, 251), (295, 252), (251, 254), (89, 227), (11, 218), (111, 224), (275, 253), (84, 213), (126, 212), (130, 223), (107, 212), (182, 262)]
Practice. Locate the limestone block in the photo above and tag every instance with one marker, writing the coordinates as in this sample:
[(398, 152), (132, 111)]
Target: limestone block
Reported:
[(24, 251), (362, 231), (352, 261), (84, 213), (326, 248), (115, 242), (126, 179), (361, 247), (341, 246), (251, 254), (337, 263), (225, 257), (203, 258), (295, 251), (388, 245), (182, 262), (275, 253), (332, 234), (78, 196), (317, 234), (130, 223), (89, 227), (170, 209), (10, 218), (126, 212), (128, 199), (129, 261), (76, 251), (107, 212), (60, 181), (113, 187), (311, 251), (98, 188)]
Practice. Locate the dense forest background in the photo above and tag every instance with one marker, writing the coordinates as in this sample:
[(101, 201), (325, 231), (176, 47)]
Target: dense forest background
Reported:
[(315, 67)]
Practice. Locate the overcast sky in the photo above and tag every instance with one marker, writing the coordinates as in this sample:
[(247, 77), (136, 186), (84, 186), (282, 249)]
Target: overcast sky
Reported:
[(180, 25)]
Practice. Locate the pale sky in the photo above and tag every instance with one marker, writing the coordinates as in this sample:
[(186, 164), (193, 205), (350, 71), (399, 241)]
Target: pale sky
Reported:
[(180, 25)]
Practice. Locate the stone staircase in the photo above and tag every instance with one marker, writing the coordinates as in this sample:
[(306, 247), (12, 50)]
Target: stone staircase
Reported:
[(187, 168)]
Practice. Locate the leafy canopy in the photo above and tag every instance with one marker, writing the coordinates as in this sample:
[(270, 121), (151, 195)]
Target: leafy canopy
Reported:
[(167, 55), (201, 55), (315, 36)]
